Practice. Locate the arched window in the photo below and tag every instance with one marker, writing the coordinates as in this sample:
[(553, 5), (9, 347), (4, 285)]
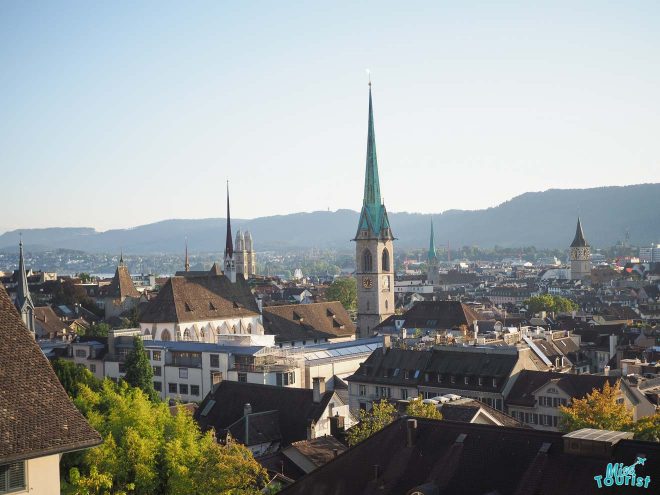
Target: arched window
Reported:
[(165, 335), (233, 329), (386, 260), (386, 304), (249, 328), (186, 334), (147, 332), (367, 262)]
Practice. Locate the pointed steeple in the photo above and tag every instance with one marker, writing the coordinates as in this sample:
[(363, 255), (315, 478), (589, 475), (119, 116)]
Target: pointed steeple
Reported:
[(121, 257), (433, 254), (230, 264), (187, 262), (579, 240), (23, 301), (229, 246), (371, 181), (374, 222)]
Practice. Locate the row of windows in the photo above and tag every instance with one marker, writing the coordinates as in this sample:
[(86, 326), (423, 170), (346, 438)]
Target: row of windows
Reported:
[(383, 392), (181, 388), (368, 262), (551, 401), (166, 336), (536, 419), (285, 379)]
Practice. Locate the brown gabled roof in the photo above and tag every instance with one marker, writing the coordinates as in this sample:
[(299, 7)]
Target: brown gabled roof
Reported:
[(186, 299), (122, 285), (47, 322), (37, 418), (470, 459), (577, 386), (297, 409), (308, 321), (440, 315)]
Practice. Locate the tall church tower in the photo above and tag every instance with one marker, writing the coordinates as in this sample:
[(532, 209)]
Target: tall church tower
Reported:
[(580, 256), (23, 301), (432, 274), (229, 265), (251, 256), (374, 249), (240, 255)]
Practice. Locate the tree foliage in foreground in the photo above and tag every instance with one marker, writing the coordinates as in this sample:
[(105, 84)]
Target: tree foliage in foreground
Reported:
[(599, 410), (382, 414), (417, 407), (72, 375), (147, 450)]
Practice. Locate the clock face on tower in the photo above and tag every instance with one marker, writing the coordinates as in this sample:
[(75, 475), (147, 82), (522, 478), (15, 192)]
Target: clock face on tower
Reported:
[(367, 283)]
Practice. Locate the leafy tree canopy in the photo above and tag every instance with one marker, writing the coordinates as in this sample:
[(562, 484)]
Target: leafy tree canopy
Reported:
[(546, 302), (417, 407), (73, 375), (382, 414), (599, 410), (343, 290), (147, 450)]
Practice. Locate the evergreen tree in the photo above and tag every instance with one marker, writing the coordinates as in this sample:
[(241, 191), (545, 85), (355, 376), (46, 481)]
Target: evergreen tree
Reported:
[(139, 372)]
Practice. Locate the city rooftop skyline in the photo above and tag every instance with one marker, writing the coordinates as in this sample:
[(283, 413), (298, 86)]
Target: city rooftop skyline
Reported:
[(123, 114)]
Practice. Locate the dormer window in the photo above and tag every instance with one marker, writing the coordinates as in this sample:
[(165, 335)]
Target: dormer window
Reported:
[(452, 379), (406, 374), (480, 381), (494, 382), (211, 306), (466, 380)]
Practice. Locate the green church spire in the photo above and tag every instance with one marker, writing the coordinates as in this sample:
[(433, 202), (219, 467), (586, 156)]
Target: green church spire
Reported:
[(371, 182), (432, 252)]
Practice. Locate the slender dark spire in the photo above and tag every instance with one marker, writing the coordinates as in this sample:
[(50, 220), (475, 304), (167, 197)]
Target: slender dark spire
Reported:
[(371, 181), (121, 257), (23, 291), (229, 247), (187, 263), (432, 251), (579, 240)]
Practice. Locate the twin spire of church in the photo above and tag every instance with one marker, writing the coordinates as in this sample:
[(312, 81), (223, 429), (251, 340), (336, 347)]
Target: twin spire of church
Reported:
[(23, 301), (433, 253)]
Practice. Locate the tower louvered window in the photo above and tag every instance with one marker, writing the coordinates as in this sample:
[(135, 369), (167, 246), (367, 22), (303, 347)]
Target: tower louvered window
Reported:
[(367, 261)]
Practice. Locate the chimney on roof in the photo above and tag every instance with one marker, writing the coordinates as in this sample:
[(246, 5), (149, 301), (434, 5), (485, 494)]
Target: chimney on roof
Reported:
[(376, 472), (387, 343), (247, 409), (613, 342), (411, 432), (319, 388)]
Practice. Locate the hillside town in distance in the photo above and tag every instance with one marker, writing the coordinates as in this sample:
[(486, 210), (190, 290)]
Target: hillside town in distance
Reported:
[(398, 376)]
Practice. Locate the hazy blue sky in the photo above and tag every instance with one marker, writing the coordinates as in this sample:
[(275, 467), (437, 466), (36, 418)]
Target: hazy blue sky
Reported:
[(116, 114)]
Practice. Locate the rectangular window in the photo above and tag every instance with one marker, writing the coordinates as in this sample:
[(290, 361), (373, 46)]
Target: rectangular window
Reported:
[(183, 373), (148, 353), (362, 390), (481, 381), (12, 477), (158, 386), (555, 402), (242, 377), (122, 368), (92, 368), (535, 419), (158, 371), (215, 360), (155, 356), (466, 380), (406, 374), (439, 377), (183, 388), (554, 421), (452, 379), (404, 393), (81, 353), (171, 387), (194, 390)]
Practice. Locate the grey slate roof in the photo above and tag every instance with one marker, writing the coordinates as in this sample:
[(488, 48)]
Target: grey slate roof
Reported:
[(307, 321), (37, 418)]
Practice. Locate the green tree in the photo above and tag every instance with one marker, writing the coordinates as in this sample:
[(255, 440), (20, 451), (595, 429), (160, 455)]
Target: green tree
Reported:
[(599, 410), (147, 450), (546, 302), (648, 428), (72, 375), (417, 407), (139, 372), (343, 290), (84, 277), (382, 414), (98, 330)]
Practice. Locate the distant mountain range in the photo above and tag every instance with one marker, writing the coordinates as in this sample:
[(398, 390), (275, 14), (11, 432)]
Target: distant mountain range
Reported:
[(542, 219)]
